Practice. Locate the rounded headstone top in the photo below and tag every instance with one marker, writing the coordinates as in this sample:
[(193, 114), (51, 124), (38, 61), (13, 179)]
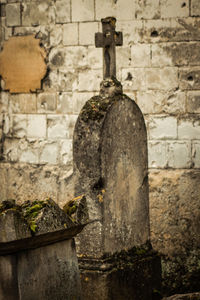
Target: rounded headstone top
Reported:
[(110, 87)]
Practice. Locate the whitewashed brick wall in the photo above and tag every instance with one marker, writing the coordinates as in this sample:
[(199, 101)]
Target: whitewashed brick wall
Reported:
[(159, 66)]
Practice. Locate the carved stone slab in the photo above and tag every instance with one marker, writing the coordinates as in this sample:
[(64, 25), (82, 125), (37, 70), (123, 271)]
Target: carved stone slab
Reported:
[(22, 64)]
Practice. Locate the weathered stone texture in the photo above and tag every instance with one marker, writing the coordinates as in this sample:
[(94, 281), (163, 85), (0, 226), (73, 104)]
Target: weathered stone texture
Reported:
[(116, 9), (157, 154), (193, 102), (189, 128), (46, 103), (158, 65), (189, 78), (195, 8), (83, 11), (37, 13), (140, 55), (196, 154), (13, 14), (86, 32), (146, 9), (63, 13), (174, 8), (163, 128), (174, 218), (29, 182), (70, 34)]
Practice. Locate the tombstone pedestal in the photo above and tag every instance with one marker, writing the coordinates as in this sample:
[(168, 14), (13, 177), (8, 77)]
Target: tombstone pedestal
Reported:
[(132, 277), (111, 169)]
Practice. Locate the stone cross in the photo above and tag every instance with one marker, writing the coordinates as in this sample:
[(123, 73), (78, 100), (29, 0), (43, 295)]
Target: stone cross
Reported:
[(108, 40)]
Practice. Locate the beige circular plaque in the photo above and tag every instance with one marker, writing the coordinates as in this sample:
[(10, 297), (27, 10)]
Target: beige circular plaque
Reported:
[(22, 64)]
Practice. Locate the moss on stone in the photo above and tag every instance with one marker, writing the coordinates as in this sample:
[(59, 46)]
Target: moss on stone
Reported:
[(95, 108)]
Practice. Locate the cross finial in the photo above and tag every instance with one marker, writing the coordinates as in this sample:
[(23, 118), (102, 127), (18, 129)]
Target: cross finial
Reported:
[(108, 40)]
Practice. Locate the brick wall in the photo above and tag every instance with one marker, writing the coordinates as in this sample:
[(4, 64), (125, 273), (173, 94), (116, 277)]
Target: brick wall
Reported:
[(158, 65)]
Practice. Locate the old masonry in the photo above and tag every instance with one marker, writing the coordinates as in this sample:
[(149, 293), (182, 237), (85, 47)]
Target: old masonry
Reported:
[(115, 259)]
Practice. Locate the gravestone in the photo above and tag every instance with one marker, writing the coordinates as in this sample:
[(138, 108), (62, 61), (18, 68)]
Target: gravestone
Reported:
[(111, 168), (37, 253)]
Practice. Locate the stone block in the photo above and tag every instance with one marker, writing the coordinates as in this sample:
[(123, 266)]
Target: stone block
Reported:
[(13, 14), (79, 99), (8, 124), (140, 55), (58, 126), (36, 126), (32, 182), (117, 9), (134, 79), (189, 78), (180, 54), (56, 35), (87, 33), (46, 102), (23, 103), (156, 102), (151, 102), (3, 181), (175, 103), (189, 128), (195, 8), (179, 154), (30, 156), (83, 11), (4, 102), (37, 13), (157, 157), (95, 57), (65, 103), (196, 154), (11, 150), (63, 11), (174, 8), (162, 79), (193, 102), (123, 57), (163, 128), (147, 9), (67, 80), (68, 58), (170, 30), (87, 82), (19, 125), (132, 31), (156, 30), (160, 57), (66, 152), (70, 34), (49, 153)]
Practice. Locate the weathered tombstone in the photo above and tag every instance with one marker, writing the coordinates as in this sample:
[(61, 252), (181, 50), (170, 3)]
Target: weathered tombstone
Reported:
[(110, 167), (38, 264)]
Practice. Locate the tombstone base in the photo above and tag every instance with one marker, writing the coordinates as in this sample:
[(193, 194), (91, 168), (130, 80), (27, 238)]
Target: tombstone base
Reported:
[(134, 279)]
